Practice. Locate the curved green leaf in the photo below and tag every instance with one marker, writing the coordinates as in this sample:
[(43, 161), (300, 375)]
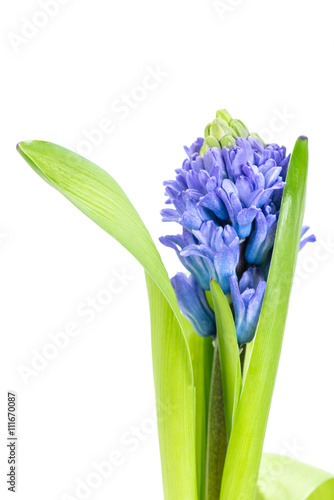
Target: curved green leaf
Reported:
[(98, 196), (245, 446), (175, 400), (283, 478), (247, 358), (93, 191), (229, 354)]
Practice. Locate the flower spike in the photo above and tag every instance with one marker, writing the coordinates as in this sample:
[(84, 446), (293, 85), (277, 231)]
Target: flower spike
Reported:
[(227, 197)]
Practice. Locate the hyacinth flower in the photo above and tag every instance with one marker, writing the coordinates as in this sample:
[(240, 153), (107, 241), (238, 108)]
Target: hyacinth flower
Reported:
[(193, 304), (227, 198), (217, 329), (228, 184), (247, 297), (211, 252)]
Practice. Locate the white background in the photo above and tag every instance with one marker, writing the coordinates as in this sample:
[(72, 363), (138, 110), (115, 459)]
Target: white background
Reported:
[(260, 59)]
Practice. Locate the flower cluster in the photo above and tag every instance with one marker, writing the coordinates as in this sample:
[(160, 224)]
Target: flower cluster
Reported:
[(227, 198)]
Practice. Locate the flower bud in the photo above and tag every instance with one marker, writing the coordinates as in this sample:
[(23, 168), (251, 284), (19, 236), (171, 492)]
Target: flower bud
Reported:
[(228, 141), (219, 128), (224, 115), (210, 142), (239, 129), (207, 130)]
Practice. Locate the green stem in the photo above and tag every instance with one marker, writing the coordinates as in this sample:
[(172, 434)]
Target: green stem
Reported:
[(217, 435), (243, 358)]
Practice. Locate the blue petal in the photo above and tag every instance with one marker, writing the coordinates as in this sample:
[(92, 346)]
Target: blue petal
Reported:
[(238, 159), (228, 164), (172, 241), (229, 234), (225, 266), (245, 189), (195, 147), (211, 184), (198, 250), (252, 315), (191, 220), (193, 182), (256, 144), (245, 145), (250, 278), (253, 249), (247, 215), (170, 215), (188, 237), (238, 304), (201, 268), (308, 239), (215, 204), (272, 176), (193, 305), (208, 233), (194, 194), (268, 165)]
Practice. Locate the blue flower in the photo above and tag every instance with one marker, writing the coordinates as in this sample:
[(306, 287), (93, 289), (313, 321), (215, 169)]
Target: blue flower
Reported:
[(263, 236), (247, 298), (227, 197), (200, 268), (226, 185), (211, 252), (193, 304)]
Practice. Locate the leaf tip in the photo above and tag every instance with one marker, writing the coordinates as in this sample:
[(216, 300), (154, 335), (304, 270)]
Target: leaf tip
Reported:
[(23, 148), (29, 150), (23, 145), (20, 147)]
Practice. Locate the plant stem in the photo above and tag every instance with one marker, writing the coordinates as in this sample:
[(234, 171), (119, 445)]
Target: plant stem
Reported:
[(242, 358), (217, 435)]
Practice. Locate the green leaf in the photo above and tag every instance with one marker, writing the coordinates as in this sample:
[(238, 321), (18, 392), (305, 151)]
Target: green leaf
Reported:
[(245, 446), (283, 478), (175, 400), (247, 358), (98, 196), (229, 354)]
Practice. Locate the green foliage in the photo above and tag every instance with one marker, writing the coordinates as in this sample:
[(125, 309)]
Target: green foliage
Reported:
[(245, 447), (98, 196), (283, 478), (182, 361)]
